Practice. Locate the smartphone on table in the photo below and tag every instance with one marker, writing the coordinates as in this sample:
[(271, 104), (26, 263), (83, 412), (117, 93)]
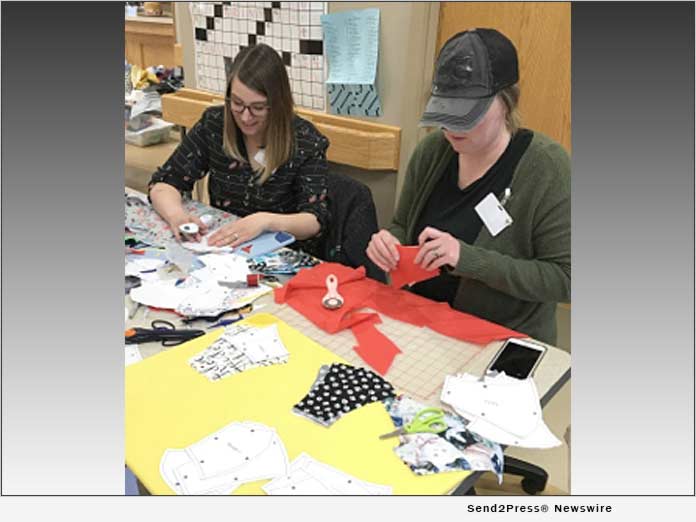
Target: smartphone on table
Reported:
[(518, 358)]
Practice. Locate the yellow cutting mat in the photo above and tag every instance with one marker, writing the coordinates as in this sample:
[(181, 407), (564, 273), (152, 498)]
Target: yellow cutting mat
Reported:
[(170, 405)]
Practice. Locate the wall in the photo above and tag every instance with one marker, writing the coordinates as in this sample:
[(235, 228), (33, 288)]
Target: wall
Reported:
[(184, 36), (408, 33)]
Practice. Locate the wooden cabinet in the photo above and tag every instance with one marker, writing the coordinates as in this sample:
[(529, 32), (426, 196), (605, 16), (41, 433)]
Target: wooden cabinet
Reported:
[(151, 41)]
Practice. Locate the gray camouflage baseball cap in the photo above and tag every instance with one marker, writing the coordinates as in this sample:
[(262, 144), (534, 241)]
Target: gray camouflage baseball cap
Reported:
[(473, 66)]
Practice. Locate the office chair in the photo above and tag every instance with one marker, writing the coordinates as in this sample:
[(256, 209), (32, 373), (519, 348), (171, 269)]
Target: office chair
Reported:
[(353, 221)]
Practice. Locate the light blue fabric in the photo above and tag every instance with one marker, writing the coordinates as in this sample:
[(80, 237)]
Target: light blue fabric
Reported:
[(131, 484)]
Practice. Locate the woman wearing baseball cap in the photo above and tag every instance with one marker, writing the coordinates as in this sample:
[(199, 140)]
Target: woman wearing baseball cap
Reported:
[(488, 202)]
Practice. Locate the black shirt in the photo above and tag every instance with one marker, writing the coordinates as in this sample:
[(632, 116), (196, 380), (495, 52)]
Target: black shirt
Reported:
[(299, 185), (451, 209)]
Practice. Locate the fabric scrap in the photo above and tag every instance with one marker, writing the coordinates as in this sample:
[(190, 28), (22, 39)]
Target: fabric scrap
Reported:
[(240, 348), (375, 348), (305, 291), (341, 389), (455, 449), (406, 271)]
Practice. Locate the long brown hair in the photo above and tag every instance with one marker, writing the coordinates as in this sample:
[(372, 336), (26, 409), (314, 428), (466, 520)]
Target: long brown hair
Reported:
[(510, 97), (260, 68)]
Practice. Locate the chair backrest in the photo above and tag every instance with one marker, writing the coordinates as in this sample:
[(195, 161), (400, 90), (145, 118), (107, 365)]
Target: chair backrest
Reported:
[(353, 221)]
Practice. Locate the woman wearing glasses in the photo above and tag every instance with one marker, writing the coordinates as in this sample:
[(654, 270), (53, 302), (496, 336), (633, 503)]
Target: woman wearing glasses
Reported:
[(266, 165)]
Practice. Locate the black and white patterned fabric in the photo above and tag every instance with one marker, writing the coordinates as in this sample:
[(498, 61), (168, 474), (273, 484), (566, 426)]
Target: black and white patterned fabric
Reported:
[(340, 389)]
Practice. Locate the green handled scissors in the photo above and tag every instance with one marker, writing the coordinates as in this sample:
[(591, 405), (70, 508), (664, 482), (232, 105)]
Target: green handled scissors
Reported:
[(429, 420)]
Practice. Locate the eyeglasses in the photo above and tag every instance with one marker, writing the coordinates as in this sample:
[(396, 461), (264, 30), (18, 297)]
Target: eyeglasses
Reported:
[(255, 109)]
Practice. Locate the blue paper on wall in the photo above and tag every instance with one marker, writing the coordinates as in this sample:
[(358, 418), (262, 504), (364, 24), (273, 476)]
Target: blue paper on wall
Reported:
[(351, 43), (354, 100)]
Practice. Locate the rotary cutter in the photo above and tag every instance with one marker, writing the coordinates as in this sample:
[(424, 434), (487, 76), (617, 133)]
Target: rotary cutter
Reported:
[(332, 300)]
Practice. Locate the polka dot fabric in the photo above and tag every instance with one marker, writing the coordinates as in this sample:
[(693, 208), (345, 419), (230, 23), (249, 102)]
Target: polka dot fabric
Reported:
[(340, 389)]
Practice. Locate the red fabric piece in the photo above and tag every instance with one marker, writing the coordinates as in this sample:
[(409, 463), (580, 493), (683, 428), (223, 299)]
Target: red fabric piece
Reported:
[(305, 291), (375, 348), (406, 271)]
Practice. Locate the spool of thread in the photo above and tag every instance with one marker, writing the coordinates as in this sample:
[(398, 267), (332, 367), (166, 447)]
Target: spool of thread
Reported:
[(188, 229), (253, 279)]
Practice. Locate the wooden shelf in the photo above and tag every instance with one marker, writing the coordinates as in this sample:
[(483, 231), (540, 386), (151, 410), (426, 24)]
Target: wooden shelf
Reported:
[(366, 145), (147, 28), (151, 40), (166, 20)]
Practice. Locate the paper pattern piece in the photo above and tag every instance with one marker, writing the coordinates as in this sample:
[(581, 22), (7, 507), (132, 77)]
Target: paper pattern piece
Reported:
[(240, 348), (340, 389), (351, 39), (132, 354), (224, 460), (158, 294), (194, 297), (202, 246), (500, 408), (228, 268), (308, 476), (455, 449), (406, 271), (144, 268)]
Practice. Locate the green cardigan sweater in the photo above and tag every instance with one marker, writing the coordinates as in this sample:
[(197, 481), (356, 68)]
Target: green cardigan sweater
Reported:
[(516, 278)]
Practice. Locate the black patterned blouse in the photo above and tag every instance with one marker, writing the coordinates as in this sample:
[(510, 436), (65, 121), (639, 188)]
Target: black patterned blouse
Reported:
[(300, 185)]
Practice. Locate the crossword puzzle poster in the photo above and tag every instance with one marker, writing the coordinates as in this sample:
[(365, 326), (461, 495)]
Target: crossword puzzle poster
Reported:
[(293, 29)]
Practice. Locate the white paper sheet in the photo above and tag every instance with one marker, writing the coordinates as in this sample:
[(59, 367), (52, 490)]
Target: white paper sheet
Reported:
[(540, 438), (229, 448), (500, 408), (511, 404), (202, 246), (133, 354), (194, 297), (308, 476), (221, 462), (228, 268), (158, 294)]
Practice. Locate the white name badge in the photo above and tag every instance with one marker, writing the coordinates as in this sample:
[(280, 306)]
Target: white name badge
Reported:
[(493, 215)]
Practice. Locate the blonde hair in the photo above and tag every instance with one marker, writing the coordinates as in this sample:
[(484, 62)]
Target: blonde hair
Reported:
[(510, 96), (260, 68)]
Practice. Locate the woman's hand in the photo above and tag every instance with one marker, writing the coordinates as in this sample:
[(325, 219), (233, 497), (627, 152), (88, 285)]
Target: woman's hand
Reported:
[(437, 249), (183, 217), (240, 231), (382, 250)]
